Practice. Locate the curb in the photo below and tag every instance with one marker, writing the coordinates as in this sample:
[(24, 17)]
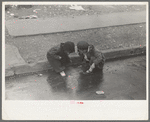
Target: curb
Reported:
[(44, 65)]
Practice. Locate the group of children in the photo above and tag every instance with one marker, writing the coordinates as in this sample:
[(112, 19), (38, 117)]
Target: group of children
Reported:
[(58, 56)]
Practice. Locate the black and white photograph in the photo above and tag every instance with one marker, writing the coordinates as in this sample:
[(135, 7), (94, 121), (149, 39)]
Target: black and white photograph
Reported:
[(75, 54)]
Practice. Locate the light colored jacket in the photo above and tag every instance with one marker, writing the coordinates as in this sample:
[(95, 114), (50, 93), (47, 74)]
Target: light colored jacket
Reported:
[(95, 56)]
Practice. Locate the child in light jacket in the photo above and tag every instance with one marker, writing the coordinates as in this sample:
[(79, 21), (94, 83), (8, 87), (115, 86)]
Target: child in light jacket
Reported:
[(94, 57), (58, 56)]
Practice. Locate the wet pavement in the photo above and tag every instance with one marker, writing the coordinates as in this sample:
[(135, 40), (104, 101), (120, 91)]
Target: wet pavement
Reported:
[(122, 79)]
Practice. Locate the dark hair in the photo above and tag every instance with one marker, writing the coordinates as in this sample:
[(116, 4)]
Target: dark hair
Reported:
[(82, 45), (68, 46)]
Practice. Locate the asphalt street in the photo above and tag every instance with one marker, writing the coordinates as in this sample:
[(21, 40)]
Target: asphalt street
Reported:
[(122, 79)]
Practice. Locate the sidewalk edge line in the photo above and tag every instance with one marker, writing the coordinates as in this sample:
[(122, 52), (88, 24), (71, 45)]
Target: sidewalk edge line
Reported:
[(44, 65)]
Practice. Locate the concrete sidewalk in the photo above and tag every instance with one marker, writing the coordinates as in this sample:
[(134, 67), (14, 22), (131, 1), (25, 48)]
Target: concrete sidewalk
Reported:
[(64, 24)]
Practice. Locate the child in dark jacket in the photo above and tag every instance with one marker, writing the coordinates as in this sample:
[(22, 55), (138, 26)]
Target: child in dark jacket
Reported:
[(88, 53), (58, 56)]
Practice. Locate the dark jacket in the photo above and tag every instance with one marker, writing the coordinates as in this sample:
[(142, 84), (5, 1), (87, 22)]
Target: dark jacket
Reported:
[(59, 51)]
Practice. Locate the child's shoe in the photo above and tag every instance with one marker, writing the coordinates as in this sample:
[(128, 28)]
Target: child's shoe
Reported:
[(62, 73), (87, 72)]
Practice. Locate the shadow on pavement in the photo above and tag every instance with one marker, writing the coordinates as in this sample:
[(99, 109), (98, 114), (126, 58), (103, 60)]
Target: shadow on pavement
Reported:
[(57, 82), (75, 83), (89, 82)]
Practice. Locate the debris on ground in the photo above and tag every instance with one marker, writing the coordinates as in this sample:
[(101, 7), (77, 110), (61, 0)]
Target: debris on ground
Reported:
[(64, 10), (99, 92), (12, 14), (76, 7), (40, 75), (29, 17), (36, 10), (33, 17)]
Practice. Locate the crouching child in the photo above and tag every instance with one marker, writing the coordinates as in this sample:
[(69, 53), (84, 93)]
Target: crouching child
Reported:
[(58, 56), (96, 59), (93, 57)]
